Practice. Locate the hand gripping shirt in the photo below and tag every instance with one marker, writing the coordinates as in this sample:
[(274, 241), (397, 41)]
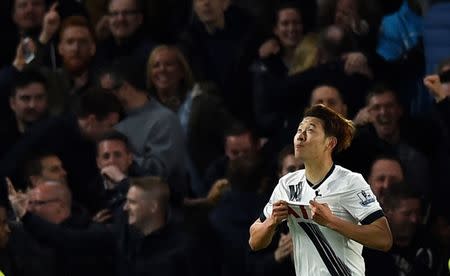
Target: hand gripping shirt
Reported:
[(319, 250)]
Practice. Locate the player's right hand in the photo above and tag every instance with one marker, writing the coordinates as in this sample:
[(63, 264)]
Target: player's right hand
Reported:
[(279, 211)]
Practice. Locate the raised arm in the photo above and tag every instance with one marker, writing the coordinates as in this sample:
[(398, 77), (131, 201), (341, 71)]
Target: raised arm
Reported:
[(261, 232)]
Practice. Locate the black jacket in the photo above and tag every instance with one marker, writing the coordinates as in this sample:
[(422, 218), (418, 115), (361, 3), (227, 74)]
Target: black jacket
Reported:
[(62, 137)]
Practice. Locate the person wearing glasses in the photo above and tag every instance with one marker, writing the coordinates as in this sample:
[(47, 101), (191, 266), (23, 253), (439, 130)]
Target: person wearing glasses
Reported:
[(123, 22), (51, 201)]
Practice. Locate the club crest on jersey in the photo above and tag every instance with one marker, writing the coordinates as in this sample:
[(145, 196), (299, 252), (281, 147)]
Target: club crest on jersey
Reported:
[(365, 197), (295, 191)]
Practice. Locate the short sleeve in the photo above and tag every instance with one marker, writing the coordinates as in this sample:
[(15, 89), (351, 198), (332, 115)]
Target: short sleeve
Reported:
[(277, 194), (360, 201)]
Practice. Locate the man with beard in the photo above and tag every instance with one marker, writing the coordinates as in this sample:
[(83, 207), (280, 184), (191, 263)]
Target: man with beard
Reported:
[(77, 49), (23, 20), (65, 85), (28, 101)]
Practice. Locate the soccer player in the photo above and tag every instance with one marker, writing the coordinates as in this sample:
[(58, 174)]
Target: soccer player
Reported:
[(345, 212)]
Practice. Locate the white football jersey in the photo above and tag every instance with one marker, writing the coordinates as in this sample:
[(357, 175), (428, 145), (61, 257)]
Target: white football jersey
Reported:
[(319, 250)]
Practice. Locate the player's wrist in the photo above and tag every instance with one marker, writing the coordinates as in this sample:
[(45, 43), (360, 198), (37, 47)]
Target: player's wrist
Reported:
[(272, 222), (333, 223)]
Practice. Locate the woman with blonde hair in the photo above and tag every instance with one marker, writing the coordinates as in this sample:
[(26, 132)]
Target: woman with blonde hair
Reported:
[(169, 76), (306, 54)]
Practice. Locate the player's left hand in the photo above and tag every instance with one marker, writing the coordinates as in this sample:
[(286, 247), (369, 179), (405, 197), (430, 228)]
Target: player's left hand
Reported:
[(321, 213)]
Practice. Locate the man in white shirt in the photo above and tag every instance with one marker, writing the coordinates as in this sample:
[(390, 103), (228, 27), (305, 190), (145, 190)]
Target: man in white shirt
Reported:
[(345, 215)]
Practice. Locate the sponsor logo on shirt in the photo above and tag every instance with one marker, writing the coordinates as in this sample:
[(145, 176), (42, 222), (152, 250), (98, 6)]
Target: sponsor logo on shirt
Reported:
[(365, 197), (295, 191)]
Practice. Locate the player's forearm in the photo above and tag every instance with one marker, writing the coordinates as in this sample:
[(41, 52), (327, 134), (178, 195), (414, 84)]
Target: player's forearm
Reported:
[(261, 234), (376, 235)]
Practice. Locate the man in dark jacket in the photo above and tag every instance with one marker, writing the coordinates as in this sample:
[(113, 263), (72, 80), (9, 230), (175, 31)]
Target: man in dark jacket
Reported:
[(148, 244), (71, 138)]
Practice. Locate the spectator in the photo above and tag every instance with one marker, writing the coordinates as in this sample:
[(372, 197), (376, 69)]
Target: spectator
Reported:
[(97, 113), (125, 20), (153, 244), (400, 47), (391, 133), (287, 162), (115, 164), (245, 175), (330, 97), (288, 29), (221, 45), (28, 101), (439, 89), (411, 253), (170, 80), (154, 132), (27, 18), (52, 202), (239, 141), (385, 171), (65, 85), (44, 166), (20, 255), (162, 250), (277, 101)]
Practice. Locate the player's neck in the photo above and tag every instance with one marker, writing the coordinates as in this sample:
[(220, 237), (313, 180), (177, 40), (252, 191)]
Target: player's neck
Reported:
[(316, 171)]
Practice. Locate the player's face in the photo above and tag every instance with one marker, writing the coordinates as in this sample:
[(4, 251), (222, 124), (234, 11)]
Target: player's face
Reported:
[(310, 141)]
